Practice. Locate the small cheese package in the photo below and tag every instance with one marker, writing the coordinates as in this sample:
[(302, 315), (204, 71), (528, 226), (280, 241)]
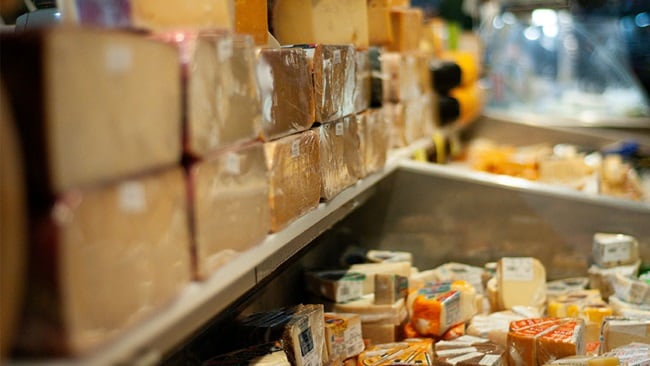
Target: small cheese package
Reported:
[(495, 326), (539, 341), (389, 288), (565, 286), (379, 323), (521, 281), (619, 331), (632, 354), (603, 278), (371, 269), (373, 140), (469, 350), (343, 336), (286, 89), (414, 351), (337, 285), (222, 101), (437, 307), (229, 200), (610, 250), (303, 339), (293, 163)]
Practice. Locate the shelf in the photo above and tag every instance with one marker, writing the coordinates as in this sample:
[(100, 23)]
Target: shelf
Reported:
[(147, 342)]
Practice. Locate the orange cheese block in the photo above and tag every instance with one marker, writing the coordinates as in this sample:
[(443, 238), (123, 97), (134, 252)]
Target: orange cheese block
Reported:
[(229, 196), (294, 175), (286, 88), (109, 257), (380, 27), (436, 308), (565, 340), (251, 18), (406, 24), (541, 340), (124, 92)]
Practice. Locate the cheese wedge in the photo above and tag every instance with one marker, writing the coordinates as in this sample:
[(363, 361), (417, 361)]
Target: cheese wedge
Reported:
[(521, 281)]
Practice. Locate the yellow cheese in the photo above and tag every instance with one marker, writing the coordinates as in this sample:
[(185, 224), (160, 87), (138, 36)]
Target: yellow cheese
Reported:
[(520, 281), (343, 336), (394, 113), (324, 21), (122, 78), (293, 163), (171, 14), (129, 238), (414, 351), (437, 307), (373, 140), (380, 27), (362, 81), (230, 205), (406, 24), (251, 18)]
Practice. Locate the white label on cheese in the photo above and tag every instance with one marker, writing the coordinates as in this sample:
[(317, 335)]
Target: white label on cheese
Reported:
[(295, 149), (118, 58), (455, 351), (336, 56), (490, 360), (353, 340), (466, 357), (517, 269), (233, 163), (339, 129), (618, 251), (132, 197), (225, 49), (349, 290)]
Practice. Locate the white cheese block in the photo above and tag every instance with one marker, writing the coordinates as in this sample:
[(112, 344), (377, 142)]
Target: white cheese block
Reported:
[(611, 250), (343, 336), (304, 336), (372, 313), (521, 281), (619, 331), (324, 21), (389, 288), (603, 278)]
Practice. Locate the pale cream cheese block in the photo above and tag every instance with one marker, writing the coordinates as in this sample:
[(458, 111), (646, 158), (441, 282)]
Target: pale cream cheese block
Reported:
[(229, 196), (619, 331), (372, 313), (324, 21), (110, 257), (521, 281), (610, 250), (343, 336), (370, 269), (304, 336), (121, 101), (389, 288)]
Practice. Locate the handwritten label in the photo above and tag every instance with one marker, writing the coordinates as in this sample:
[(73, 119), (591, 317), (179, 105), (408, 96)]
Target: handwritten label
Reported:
[(295, 149), (132, 197)]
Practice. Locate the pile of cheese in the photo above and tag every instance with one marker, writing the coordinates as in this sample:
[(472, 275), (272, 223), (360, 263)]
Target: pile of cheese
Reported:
[(386, 312), (563, 164)]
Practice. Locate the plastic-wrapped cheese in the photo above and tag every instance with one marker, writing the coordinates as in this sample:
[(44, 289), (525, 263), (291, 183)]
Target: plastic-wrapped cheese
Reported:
[(541, 340), (468, 350), (610, 250), (371, 313), (338, 286), (632, 354), (603, 278), (495, 326), (303, 339), (415, 352), (340, 158), (370, 269), (437, 307), (520, 281), (619, 331), (343, 336)]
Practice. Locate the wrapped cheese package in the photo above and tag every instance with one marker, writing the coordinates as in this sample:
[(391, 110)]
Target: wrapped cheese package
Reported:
[(373, 139), (619, 331), (394, 113), (370, 269), (293, 163), (495, 326), (340, 158), (539, 341), (521, 281), (129, 238), (222, 101), (343, 336), (413, 351), (78, 97), (401, 76), (229, 204), (604, 279), (334, 80), (469, 350), (303, 339), (154, 15), (363, 80), (286, 89), (336, 285), (610, 250)]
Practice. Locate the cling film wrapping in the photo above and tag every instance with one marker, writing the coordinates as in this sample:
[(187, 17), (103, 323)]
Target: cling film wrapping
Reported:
[(340, 156), (304, 336), (286, 89), (222, 100), (401, 77), (374, 139), (129, 238), (334, 81), (230, 205), (363, 81), (414, 351), (293, 163), (343, 336), (394, 113)]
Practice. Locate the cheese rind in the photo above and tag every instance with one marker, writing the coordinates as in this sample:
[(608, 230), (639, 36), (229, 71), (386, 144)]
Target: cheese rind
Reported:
[(230, 205), (325, 21), (293, 163), (78, 97), (406, 25), (286, 89)]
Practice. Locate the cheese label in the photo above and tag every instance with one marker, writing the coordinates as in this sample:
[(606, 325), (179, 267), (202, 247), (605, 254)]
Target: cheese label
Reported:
[(295, 149), (132, 197), (225, 49), (349, 290), (336, 57), (617, 251), (233, 163), (350, 334), (517, 269), (339, 129), (490, 360), (118, 58), (306, 342)]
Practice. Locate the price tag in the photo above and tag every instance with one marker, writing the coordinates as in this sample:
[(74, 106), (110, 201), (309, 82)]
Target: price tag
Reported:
[(225, 49), (295, 149), (118, 58), (336, 56), (339, 129), (233, 163), (517, 269), (132, 197), (617, 251)]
